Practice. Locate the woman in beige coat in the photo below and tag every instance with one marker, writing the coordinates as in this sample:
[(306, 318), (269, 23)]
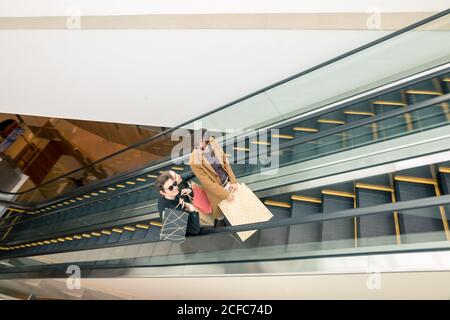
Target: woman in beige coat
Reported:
[(212, 168)]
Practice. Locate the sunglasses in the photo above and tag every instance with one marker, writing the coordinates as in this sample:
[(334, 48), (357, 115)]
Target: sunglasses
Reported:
[(173, 186)]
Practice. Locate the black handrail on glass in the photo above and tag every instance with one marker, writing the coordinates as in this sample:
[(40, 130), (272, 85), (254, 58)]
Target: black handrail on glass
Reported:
[(315, 136), (402, 206), (340, 57)]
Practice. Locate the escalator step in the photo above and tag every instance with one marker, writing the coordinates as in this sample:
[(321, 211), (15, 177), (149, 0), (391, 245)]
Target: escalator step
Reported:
[(126, 235), (337, 233), (420, 224), (305, 233), (139, 234), (378, 229), (444, 179), (114, 237), (275, 236)]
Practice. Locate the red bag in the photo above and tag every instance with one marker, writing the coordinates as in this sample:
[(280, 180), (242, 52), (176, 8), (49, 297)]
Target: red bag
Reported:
[(200, 200)]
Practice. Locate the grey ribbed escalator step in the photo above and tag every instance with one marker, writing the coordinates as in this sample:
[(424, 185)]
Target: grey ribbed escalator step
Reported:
[(420, 224), (305, 233), (337, 233), (274, 236), (360, 135), (378, 229), (126, 235), (444, 179)]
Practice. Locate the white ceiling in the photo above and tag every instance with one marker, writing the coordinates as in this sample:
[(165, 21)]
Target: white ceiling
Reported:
[(21, 8), (152, 77), (161, 77)]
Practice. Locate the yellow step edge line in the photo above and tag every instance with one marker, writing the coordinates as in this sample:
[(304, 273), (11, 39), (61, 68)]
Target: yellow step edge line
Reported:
[(305, 129), (86, 235), (152, 176), (177, 168), (446, 79), (373, 187), (142, 226), (283, 136), (360, 113), (241, 149), (306, 199), (77, 237), (277, 203), (155, 223), (415, 180), (338, 193), (390, 103), (444, 169), (117, 230), (331, 121), (97, 234), (107, 232), (129, 228), (131, 182), (141, 179), (261, 142), (120, 186), (16, 210), (68, 238), (425, 92)]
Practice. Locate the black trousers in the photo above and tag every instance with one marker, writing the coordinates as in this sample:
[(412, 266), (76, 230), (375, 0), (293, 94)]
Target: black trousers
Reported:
[(193, 224)]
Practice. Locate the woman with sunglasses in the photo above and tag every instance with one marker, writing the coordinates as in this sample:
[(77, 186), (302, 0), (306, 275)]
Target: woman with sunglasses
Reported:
[(173, 198)]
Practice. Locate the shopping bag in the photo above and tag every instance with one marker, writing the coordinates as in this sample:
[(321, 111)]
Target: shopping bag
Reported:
[(245, 208), (200, 199), (206, 220), (174, 225)]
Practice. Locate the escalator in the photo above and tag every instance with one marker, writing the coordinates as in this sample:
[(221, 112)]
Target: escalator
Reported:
[(84, 223), (118, 216)]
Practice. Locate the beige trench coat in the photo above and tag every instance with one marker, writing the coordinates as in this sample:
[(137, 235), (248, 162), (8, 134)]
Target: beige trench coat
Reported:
[(208, 178)]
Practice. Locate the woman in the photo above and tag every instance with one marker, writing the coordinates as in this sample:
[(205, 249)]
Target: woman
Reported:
[(211, 166)]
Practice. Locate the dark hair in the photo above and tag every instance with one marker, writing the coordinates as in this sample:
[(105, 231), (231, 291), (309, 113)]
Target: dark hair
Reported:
[(162, 179)]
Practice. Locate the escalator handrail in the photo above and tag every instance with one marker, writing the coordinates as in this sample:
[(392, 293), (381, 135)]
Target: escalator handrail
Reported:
[(315, 136), (300, 74)]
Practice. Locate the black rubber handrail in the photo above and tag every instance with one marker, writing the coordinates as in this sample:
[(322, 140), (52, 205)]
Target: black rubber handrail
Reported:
[(328, 62)]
